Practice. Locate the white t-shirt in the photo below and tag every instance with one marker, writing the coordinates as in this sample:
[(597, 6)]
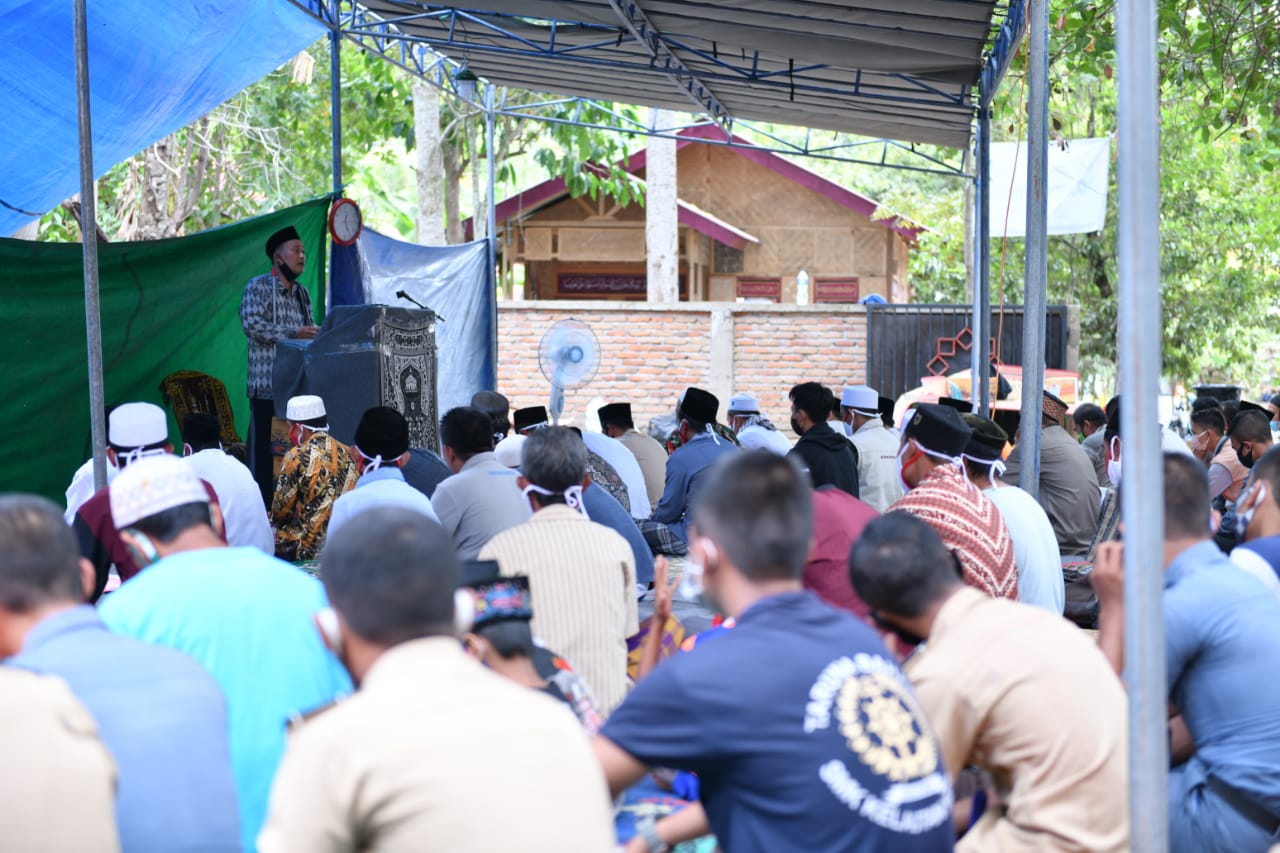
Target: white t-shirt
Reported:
[(1035, 548), (243, 512), (624, 462), (756, 437)]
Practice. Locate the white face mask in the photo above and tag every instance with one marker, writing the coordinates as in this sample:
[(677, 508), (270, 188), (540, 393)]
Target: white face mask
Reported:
[(901, 482), (1113, 464)]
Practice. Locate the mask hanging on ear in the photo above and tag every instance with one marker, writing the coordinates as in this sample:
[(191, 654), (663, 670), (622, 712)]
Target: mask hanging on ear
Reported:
[(141, 548), (326, 620), (464, 611), (1113, 464)]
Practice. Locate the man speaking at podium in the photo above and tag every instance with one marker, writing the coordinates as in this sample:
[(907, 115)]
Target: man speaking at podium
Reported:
[(274, 308)]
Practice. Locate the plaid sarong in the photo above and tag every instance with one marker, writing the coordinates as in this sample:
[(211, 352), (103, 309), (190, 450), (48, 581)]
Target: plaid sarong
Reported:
[(661, 540)]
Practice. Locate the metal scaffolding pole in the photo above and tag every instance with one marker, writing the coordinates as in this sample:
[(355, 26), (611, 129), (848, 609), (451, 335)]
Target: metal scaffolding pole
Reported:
[(1139, 347), (1037, 260), (981, 324), (89, 243), (492, 219), (335, 96)]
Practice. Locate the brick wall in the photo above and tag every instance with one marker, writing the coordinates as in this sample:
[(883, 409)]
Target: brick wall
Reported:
[(650, 353)]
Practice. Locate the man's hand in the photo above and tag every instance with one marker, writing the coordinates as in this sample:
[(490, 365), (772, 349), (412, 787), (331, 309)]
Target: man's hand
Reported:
[(306, 333), (663, 593), (1107, 577)]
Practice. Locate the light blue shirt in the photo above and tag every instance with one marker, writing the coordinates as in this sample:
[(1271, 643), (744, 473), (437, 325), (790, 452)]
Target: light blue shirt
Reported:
[(248, 618), (685, 469), (1222, 641), (164, 721), (382, 488)]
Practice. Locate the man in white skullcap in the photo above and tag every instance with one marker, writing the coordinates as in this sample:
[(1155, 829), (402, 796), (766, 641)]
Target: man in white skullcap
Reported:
[(314, 473), (242, 614), (877, 447), (134, 431), (753, 429)]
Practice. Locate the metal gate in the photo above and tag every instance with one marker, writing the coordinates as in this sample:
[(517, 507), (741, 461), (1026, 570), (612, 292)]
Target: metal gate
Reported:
[(906, 342)]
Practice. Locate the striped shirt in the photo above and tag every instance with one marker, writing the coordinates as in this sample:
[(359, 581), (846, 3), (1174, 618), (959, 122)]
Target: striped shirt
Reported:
[(582, 581), (970, 525), (270, 313)]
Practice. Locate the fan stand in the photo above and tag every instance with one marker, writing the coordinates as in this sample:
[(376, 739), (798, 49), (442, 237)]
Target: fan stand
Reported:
[(555, 406)]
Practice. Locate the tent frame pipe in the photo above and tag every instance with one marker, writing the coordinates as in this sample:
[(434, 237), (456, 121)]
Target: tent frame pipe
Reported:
[(980, 390), (1139, 342), (89, 244), (492, 225), (1036, 274), (335, 96)]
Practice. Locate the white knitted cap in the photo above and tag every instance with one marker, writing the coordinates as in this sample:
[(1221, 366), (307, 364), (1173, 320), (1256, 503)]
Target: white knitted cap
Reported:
[(152, 485), (304, 408), (137, 425)]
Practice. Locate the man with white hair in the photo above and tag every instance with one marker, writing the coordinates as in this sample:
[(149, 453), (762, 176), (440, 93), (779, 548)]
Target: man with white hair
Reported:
[(753, 429), (134, 431), (242, 614), (877, 447), (314, 473)]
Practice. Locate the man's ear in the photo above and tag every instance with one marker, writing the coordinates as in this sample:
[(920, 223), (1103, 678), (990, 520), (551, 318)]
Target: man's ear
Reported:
[(88, 578), (522, 482), (216, 521), (402, 460), (586, 481), (112, 458)]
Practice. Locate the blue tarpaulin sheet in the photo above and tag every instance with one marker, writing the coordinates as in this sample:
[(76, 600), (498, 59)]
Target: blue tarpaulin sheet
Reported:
[(453, 281), (154, 67)]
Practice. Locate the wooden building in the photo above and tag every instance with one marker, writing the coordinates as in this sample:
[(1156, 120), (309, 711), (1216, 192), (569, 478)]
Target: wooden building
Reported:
[(752, 225)]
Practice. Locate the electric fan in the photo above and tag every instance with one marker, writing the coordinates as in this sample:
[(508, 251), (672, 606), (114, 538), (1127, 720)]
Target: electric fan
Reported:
[(569, 356)]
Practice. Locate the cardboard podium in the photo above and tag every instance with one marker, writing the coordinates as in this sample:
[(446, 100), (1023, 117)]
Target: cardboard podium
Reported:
[(366, 356)]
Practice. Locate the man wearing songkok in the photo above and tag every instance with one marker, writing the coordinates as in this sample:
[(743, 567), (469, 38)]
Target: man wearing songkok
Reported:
[(1222, 641), (803, 731), (481, 498), (700, 446), (314, 474), (1068, 483), (134, 431), (273, 308), (1019, 693), (1257, 516), (498, 408), (1035, 550), (242, 614), (434, 753), (929, 463), (243, 514), (381, 449), (501, 639), (827, 455), (877, 447), (617, 422), (161, 715), (753, 429), (53, 761), (583, 572), (526, 420)]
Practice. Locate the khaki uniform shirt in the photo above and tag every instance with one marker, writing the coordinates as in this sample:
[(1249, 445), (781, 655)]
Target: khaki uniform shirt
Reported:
[(1027, 697), (652, 457), (58, 785), (436, 753), (582, 582), (877, 465)]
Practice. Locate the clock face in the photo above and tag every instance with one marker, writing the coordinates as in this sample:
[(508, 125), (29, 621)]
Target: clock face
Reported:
[(345, 222)]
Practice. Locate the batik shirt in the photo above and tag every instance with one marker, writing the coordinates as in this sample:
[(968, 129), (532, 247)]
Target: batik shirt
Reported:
[(970, 525), (270, 313), (313, 476), (607, 477), (673, 441)]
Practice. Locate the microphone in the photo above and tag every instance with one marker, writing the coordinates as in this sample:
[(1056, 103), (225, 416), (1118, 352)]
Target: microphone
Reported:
[(400, 294)]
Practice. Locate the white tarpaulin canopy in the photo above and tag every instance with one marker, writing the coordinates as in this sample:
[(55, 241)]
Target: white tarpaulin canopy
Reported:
[(1078, 175)]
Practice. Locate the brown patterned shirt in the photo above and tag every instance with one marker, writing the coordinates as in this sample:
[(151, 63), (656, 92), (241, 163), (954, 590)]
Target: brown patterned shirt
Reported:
[(313, 476), (970, 525)]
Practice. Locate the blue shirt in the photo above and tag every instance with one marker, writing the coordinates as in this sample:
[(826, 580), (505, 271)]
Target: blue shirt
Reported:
[(604, 508), (164, 720), (803, 732), (685, 470), (384, 487), (1222, 641), (248, 618)]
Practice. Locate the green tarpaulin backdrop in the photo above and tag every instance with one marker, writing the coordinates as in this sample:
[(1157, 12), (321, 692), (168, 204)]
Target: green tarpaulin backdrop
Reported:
[(167, 305)]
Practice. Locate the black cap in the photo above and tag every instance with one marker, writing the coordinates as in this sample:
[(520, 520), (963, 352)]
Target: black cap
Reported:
[(886, 410), (988, 439), (531, 416), (382, 431), (491, 403), (700, 405), (278, 239), (1248, 406), (475, 572), (616, 414), (938, 428), (959, 405), (200, 429)]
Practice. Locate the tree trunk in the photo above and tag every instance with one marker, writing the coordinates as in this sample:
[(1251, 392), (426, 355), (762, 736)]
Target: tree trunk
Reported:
[(661, 230), (480, 217), (430, 164)]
